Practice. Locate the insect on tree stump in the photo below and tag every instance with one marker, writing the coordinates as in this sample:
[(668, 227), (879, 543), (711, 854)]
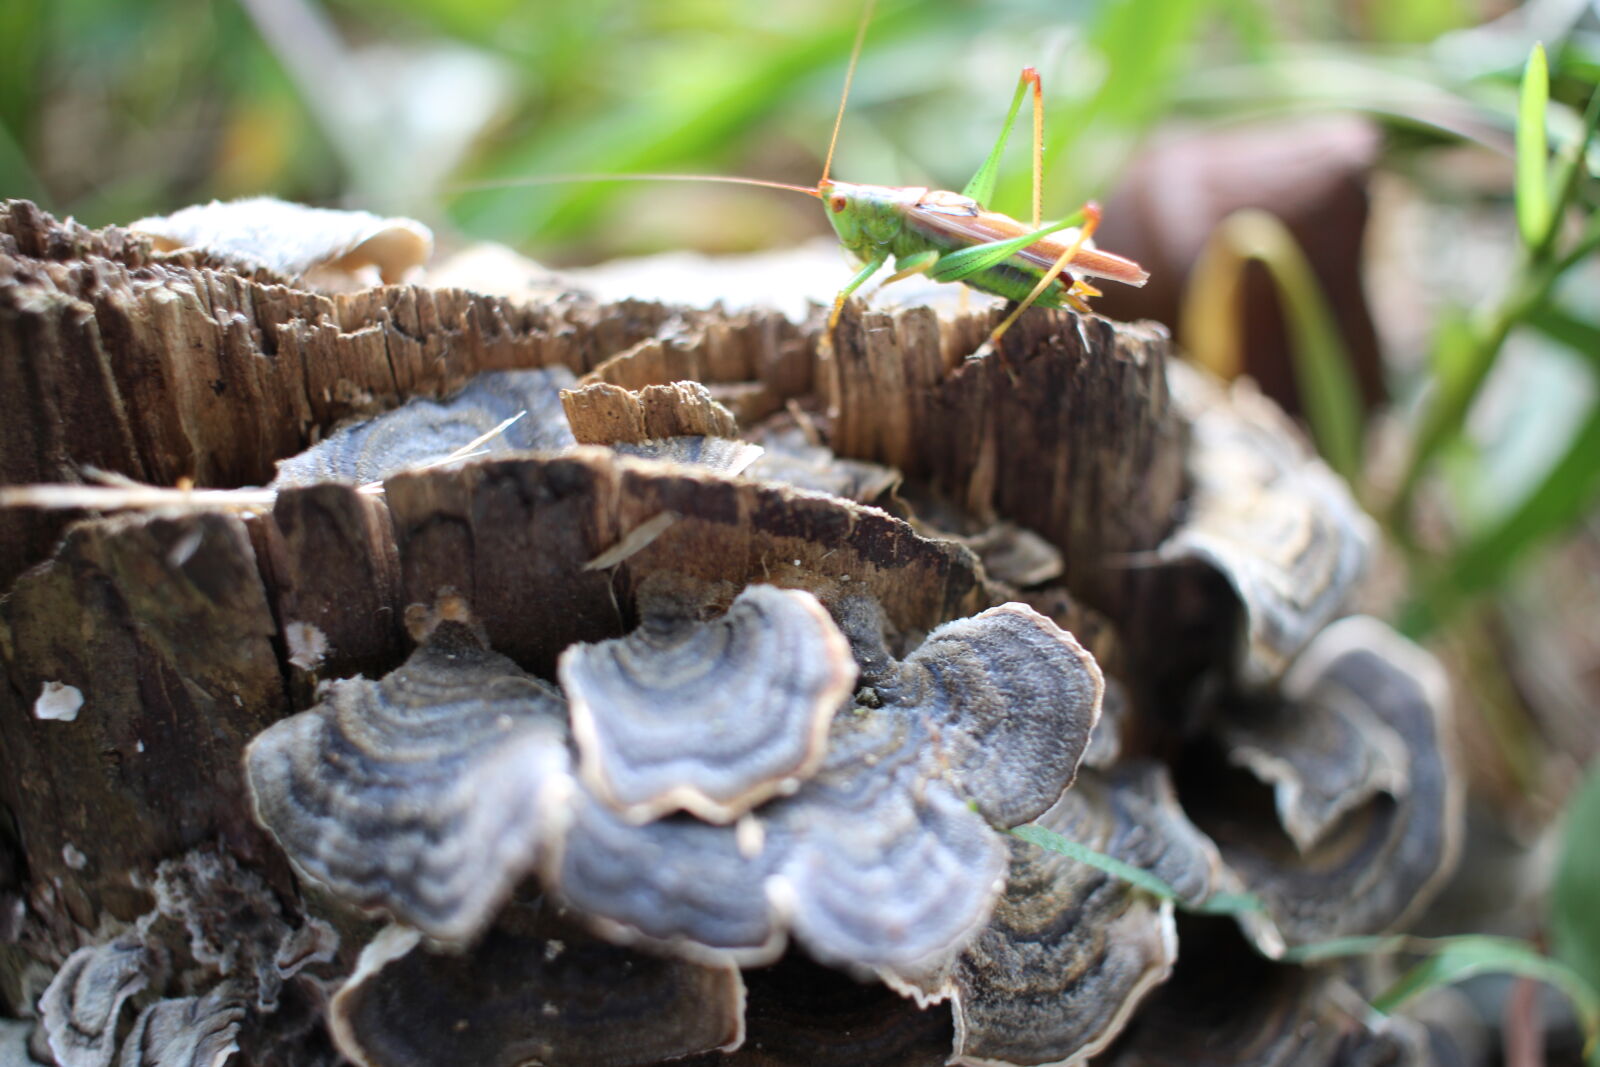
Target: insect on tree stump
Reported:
[(683, 717)]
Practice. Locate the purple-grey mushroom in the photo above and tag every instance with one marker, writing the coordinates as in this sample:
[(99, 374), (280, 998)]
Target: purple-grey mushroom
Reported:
[(881, 861), (424, 431), (725, 455), (1071, 951), (426, 794), (707, 715), (187, 1031), (1373, 866)]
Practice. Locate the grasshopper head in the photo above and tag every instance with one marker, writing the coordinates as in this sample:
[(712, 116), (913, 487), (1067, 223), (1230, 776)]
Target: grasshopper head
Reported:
[(866, 217)]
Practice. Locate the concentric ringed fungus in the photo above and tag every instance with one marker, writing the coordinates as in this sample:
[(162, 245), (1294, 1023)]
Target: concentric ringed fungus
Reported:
[(427, 794), (1071, 952), (707, 716), (881, 861), (1375, 865), (1270, 518)]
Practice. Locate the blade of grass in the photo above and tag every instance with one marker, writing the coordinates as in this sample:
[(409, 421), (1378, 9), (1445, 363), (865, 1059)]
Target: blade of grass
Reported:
[(1534, 211), (1447, 960), (1574, 919), (1580, 335), (1215, 904), (1565, 493), (1322, 363)]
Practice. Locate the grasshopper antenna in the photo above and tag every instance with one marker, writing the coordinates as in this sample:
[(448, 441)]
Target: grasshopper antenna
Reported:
[(849, 76), (566, 179)]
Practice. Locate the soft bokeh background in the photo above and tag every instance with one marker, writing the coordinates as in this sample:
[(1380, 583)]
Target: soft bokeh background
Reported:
[(1449, 366)]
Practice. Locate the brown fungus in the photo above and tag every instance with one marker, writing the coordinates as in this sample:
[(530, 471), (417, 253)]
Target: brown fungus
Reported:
[(708, 716), (426, 794), (535, 989), (425, 431), (1279, 527), (1070, 951), (1378, 863)]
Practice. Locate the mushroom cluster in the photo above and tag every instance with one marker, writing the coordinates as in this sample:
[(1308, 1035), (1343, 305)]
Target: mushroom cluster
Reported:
[(759, 763), (644, 719)]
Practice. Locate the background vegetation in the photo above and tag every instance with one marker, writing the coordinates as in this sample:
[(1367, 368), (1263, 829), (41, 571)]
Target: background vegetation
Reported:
[(1483, 466)]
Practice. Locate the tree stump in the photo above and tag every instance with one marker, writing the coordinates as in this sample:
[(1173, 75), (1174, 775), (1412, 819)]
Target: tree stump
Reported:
[(144, 650)]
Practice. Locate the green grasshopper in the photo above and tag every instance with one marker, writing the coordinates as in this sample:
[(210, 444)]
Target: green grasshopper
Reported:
[(952, 237)]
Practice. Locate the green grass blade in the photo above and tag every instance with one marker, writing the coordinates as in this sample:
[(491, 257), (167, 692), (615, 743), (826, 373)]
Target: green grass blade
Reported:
[(1566, 492), (1447, 960), (1534, 212), (1323, 365), (1216, 904), (1560, 325), (1574, 916)]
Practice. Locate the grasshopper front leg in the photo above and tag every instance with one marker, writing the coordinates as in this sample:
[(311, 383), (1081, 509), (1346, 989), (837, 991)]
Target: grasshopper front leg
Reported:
[(851, 286)]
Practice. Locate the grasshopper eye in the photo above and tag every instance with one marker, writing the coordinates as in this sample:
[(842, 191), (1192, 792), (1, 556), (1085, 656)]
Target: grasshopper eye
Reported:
[(837, 203)]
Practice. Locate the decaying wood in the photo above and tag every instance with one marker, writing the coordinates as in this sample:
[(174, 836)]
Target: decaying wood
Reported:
[(605, 414), (187, 634)]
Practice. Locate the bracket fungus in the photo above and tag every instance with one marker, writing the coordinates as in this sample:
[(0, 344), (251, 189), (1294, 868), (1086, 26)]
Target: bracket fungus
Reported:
[(186, 1031), (1268, 516), (879, 862), (708, 716), (1071, 951), (424, 431), (1368, 868), (80, 1009), (535, 989), (426, 794)]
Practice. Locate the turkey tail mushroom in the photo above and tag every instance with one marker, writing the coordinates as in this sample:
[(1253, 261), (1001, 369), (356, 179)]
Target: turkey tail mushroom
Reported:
[(426, 794), (1332, 867), (711, 717)]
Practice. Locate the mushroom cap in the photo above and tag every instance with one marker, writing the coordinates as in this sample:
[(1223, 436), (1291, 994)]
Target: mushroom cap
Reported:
[(712, 717), (881, 860), (1321, 760), (293, 239), (423, 430), (426, 794), (1379, 862), (1264, 513), (535, 989), (1070, 951), (1015, 697)]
